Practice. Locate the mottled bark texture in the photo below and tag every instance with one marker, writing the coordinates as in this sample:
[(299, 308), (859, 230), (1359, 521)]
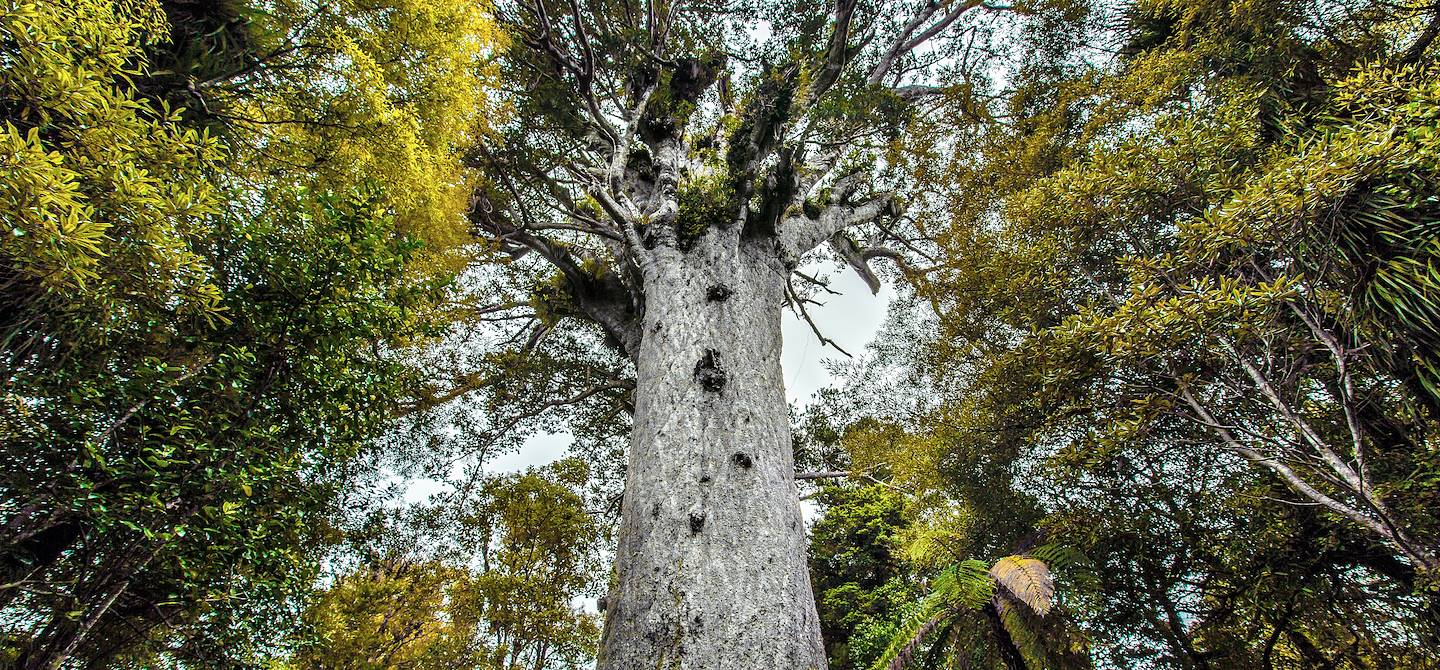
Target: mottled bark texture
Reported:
[(711, 560)]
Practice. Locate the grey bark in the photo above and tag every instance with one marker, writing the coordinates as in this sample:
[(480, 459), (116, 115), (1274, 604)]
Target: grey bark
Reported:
[(711, 563), (711, 566)]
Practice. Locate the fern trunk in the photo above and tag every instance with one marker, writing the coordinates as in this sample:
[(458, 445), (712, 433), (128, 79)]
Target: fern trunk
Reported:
[(1005, 644)]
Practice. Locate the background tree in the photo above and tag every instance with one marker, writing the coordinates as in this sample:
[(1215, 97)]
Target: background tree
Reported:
[(492, 585), (201, 339), (1152, 301), (857, 570), (398, 613)]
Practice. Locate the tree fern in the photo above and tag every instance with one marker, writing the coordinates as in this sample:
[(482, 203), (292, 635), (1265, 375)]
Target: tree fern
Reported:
[(1019, 590), (962, 587)]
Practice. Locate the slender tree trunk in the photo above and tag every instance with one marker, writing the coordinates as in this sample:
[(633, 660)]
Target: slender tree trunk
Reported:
[(711, 560), (54, 661)]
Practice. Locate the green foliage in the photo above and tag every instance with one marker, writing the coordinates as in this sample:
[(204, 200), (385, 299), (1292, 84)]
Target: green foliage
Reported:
[(86, 162), (501, 599), (1262, 261), (1249, 183), (333, 94), (858, 575), (199, 351), (704, 204), (1386, 248), (196, 477)]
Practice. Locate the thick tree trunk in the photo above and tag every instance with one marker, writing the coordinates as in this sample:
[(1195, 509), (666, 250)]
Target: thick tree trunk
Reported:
[(711, 560)]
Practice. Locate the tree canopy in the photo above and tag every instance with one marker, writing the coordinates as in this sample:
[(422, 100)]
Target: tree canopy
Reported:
[(1176, 323), (202, 332), (1160, 388)]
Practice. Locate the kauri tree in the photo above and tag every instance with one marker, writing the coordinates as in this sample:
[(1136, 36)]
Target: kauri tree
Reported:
[(672, 167)]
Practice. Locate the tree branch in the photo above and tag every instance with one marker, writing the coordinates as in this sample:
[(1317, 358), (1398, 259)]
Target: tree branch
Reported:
[(1382, 527), (1424, 39), (826, 474), (908, 40), (799, 304), (801, 233), (837, 53)]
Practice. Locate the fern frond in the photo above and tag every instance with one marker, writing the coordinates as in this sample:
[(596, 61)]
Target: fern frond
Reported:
[(908, 638), (943, 643), (1022, 631), (1058, 556), (1027, 580), (964, 585)]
